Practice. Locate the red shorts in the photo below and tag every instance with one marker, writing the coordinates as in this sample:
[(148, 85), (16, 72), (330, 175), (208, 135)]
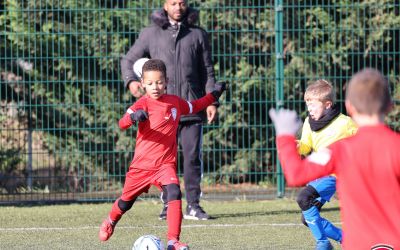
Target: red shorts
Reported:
[(139, 181)]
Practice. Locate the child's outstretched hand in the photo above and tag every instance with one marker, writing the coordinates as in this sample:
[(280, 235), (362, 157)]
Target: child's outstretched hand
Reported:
[(139, 116), (286, 122), (219, 88)]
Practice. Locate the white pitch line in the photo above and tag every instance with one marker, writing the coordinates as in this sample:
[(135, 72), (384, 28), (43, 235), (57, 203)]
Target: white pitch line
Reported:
[(153, 226)]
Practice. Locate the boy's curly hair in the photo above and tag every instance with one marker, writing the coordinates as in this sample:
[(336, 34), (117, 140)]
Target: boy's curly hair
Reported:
[(155, 65)]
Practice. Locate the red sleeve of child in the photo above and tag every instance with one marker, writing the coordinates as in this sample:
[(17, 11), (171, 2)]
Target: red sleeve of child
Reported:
[(299, 171), (196, 106), (126, 121)]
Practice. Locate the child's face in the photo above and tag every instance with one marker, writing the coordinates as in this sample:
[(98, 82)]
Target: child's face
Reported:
[(154, 83), (317, 108)]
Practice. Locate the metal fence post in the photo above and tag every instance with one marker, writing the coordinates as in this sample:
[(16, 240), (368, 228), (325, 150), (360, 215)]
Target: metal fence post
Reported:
[(279, 82)]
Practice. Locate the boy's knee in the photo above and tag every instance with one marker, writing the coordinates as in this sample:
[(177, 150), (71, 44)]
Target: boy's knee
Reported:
[(173, 191), (125, 205), (306, 198)]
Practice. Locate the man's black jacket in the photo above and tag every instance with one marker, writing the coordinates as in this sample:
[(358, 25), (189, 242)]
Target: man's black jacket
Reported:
[(184, 50)]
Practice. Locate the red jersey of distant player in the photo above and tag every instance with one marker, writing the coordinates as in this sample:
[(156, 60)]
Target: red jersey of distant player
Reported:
[(367, 166), (156, 140)]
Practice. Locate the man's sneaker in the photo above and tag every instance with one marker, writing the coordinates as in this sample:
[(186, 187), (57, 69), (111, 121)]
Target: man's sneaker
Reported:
[(195, 213), (323, 245), (106, 230), (176, 245), (163, 214)]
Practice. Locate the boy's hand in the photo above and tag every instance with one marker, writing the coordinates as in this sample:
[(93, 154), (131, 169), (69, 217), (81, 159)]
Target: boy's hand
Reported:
[(139, 116), (286, 122), (219, 88)]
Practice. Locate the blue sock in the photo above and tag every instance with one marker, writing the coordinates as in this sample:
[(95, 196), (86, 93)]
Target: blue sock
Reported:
[(331, 231), (314, 222)]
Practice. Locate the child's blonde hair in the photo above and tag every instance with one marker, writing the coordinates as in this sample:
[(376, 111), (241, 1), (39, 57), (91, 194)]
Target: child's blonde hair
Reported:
[(320, 89)]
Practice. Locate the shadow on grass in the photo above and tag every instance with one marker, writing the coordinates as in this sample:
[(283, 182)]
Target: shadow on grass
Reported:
[(266, 213)]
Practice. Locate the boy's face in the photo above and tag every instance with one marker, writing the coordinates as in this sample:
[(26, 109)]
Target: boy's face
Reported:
[(317, 108), (154, 83)]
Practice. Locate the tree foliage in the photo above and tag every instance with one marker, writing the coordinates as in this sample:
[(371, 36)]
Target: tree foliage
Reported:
[(66, 56)]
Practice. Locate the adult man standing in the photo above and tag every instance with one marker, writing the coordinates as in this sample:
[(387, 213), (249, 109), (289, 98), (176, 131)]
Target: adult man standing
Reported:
[(174, 38)]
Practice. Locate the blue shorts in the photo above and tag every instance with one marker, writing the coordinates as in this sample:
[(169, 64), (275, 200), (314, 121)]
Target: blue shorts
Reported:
[(325, 186)]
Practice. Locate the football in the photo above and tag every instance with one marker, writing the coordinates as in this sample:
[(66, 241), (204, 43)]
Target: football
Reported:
[(138, 65), (148, 242)]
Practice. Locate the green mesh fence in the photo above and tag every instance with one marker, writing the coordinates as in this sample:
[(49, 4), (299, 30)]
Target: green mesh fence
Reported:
[(61, 91)]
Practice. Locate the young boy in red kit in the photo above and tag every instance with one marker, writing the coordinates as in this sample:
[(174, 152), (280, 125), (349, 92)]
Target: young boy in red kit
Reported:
[(367, 165), (154, 162)]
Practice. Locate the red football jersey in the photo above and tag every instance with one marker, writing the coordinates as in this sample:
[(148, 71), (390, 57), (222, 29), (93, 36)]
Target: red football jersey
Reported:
[(156, 140), (367, 166)]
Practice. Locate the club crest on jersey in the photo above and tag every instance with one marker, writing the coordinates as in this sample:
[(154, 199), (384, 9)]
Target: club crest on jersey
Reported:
[(174, 113)]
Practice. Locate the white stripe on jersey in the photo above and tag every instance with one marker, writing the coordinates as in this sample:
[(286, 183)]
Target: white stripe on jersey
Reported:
[(129, 111), (190, 107)]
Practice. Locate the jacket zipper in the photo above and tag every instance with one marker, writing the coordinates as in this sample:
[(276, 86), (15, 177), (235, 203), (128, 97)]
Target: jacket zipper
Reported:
[(177, 70)]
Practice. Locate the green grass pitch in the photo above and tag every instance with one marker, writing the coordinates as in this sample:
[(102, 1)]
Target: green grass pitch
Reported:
[(271, 224)]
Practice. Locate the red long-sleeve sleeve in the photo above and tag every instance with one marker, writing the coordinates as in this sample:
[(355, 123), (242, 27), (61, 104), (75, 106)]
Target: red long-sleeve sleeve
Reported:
[(299, 171), (126, 122), (198, 105)]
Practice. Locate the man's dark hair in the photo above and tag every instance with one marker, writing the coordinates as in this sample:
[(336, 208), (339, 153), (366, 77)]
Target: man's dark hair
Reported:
[(155, 65)]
